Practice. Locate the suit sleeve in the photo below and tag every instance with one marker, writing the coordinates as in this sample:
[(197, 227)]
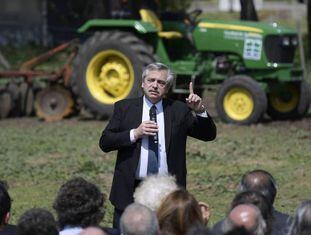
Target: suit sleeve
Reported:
[(113, 137), (202, 128)]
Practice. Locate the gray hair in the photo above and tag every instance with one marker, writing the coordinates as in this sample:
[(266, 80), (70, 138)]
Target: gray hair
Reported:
[(158, 67), (138, 219), (153, 189), (259, 228), (301, 224)]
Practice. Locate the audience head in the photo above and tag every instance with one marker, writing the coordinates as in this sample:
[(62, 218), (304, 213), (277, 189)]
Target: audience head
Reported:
[(301, 224), (79, 203), (153, 189), (260, 181), (5, 204), (178, 212), (247, 216), (138, 219), (257, 199), (37, 221), (93, 231)]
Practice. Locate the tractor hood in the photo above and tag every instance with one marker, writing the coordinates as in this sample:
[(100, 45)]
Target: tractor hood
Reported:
[(245, 26), (257, 44)]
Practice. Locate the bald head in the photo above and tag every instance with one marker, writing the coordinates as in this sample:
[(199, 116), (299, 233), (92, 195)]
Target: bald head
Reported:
[(260, 181), (244, 216), (247, 216), (93, 231)]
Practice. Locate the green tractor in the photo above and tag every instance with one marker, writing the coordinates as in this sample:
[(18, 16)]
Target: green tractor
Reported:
[(251, 64)]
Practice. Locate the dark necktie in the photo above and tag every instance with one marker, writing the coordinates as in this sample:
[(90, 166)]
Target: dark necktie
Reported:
[(153, 146)]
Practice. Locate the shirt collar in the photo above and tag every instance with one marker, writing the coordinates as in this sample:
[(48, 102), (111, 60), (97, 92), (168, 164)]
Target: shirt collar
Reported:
[(149, 104)]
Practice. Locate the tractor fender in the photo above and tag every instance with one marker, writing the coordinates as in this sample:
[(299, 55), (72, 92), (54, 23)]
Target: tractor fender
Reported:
[(102, 24)]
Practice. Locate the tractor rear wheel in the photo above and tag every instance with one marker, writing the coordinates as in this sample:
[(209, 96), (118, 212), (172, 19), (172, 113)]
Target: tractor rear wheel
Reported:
[(289, 101), (108, 68), (240, 100)]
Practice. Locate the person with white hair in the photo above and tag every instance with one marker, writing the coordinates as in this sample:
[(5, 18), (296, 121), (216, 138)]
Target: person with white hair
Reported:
[(301, 224), (247, 216), (138, 219), (153, 189)]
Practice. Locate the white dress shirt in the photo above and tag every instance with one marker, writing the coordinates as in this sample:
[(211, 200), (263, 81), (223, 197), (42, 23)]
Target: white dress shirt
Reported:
[(143, 160)]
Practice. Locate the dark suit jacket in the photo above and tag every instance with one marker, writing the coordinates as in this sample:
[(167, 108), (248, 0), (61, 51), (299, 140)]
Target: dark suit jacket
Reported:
[(9, 230), (179, 123)]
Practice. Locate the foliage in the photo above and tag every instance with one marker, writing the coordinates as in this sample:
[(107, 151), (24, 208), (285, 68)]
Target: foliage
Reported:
[(37, 157)]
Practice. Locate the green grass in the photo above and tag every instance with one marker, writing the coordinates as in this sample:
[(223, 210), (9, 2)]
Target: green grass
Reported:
[(37, 157)]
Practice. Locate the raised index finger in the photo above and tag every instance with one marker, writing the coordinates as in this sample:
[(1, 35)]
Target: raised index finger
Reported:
[(190, 88)]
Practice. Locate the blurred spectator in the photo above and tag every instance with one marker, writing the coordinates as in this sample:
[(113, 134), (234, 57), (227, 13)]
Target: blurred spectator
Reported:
[(178, 212), (254, 198), (5, 208), (263, 182), (301, 224), (79, 204), (37, 221), (93, 231), (247, 216), (138, 219), (153, 189), (257, 199)]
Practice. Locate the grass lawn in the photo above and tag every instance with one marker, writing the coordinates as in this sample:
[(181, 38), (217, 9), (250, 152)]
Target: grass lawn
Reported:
[(37, 157)]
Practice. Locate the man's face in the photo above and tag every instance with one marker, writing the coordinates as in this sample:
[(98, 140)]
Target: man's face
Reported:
[(155, 85)]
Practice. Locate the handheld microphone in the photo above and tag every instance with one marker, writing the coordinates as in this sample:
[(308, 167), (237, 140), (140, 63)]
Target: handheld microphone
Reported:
[(153, 117)]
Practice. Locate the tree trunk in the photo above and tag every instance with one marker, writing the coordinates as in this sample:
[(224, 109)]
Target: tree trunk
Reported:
[(248, 11)]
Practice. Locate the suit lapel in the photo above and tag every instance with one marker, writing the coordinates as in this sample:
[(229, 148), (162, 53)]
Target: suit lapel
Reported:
[(137, 112), (167, 123)]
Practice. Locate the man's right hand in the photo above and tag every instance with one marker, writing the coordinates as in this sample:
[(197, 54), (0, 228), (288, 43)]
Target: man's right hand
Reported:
[(146, 128)]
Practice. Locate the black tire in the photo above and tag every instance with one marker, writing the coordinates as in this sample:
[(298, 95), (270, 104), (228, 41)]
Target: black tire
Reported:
[(295, 103), (240, 100), (6, 102), (89, 67), (27, 99), (13, 88)]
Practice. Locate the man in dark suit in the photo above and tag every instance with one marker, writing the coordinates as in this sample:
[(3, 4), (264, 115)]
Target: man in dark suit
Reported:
[(135, 136)]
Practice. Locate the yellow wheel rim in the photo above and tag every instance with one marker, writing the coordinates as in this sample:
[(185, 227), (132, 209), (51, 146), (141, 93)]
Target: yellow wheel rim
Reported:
[(238, 104), (286, 100), (109, 76)]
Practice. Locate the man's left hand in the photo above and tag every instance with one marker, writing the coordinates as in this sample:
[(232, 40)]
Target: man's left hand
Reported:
[(194, 101)]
